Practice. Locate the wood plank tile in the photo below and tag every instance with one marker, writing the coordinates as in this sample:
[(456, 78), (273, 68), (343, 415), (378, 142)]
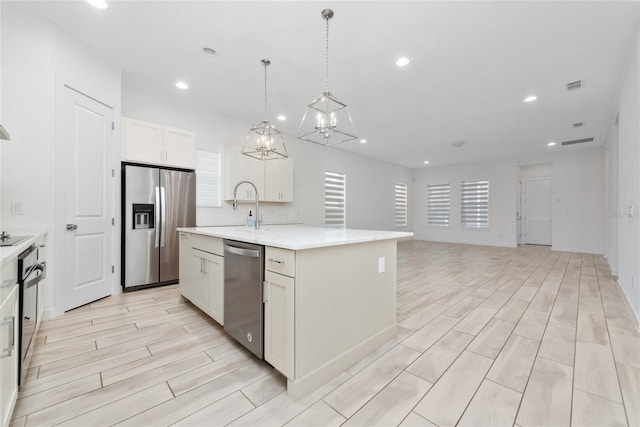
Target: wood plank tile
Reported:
[(367, 360), (493, 405), (547, 398), (265, 388), (195, 400), (435, 361), (281, 409), (513, 365), (591, 410), (512, 310), (319, 414), (626, 346), (89, 401), (393, 403), (449, 397), (595, 371), (220, 413), (492, 338), (558, 343), (209, 372), (354, 393), (38, 401), (630, 386), (476, 320), (426, 336), (122, 409), (424, 316), (415, 420), (74, 373)]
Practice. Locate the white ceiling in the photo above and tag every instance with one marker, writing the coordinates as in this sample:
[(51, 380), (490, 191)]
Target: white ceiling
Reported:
[(472, 64)]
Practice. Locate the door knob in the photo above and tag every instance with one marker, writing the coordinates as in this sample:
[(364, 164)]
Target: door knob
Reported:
[(72, 227)]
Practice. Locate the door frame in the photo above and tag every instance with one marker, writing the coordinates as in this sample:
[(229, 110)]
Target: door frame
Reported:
[(524, 208), (54, 295)]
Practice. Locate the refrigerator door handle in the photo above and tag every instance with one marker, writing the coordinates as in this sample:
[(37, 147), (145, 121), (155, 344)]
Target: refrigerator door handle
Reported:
[(157, 219), (163, 219)]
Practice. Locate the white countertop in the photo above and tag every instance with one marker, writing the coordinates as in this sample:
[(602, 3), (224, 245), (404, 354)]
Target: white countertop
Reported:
[(9, 253), (297, 237)]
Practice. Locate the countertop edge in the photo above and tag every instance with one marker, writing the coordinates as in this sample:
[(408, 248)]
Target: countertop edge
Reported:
[(260, 238), (8, 253)]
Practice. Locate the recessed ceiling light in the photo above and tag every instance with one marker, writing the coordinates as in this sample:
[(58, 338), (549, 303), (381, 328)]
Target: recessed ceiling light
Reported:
[(209, 51), (402, 61), (281, 118), (426, 162), (551, 143), (363, 141), (100, 4), (530, 98), (182, 85)]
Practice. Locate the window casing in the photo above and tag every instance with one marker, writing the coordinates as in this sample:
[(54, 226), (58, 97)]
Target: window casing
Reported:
[(335, 192), (401, 205), (474, 204), (438, 204)]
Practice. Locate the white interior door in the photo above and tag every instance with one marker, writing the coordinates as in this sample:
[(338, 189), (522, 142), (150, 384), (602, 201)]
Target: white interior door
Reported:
[(537, 210), (83, 198)]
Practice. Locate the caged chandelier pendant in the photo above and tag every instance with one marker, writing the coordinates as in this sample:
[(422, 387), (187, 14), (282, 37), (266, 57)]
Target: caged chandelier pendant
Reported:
[(326, 120), (264, 141)]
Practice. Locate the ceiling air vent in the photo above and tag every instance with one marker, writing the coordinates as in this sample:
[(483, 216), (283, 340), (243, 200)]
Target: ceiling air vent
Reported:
[(574, 85), (578, 125), (576, 141)]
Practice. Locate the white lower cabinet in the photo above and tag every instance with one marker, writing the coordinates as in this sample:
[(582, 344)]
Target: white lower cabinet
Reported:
[(279, 322), (186, 275), (208, 286), (9, 354)]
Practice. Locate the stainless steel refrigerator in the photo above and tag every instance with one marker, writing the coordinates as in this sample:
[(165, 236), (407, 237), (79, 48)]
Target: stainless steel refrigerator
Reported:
[(155, 201)]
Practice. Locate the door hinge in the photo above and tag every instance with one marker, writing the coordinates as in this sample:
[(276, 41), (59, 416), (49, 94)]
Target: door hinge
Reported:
[(113, 221), (113, 173), (113, 125), (113, 269)]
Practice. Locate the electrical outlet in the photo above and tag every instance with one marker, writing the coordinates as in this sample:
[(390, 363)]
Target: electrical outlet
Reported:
[(381, 264)]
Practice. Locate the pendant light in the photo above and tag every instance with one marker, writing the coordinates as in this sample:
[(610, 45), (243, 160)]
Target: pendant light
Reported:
[(264, 141), (326, 120)]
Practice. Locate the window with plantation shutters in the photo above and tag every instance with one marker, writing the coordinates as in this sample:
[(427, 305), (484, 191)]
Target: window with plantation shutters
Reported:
[(474, 206), (335, 191), (438, 204), (208, 179), (401, 205)]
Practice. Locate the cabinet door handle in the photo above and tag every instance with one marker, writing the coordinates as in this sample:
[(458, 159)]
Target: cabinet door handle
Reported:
[(277, 261), (265, 290), (8, 350)]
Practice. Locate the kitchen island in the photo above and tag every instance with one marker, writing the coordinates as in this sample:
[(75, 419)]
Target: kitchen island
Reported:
[(329, 294)]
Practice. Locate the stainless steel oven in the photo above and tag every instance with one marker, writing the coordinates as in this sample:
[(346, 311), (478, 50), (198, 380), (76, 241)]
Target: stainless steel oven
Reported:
[(31, 271)]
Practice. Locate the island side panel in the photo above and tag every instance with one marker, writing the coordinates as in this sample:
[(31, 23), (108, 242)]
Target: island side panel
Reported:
[(341, 301)]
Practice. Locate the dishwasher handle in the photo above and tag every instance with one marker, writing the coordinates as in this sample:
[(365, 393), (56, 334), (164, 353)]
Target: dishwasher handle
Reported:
[(253, 253)]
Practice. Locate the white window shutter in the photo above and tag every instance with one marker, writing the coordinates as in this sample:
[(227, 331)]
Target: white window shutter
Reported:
[(474, 206), (207, 179), (335, 192)]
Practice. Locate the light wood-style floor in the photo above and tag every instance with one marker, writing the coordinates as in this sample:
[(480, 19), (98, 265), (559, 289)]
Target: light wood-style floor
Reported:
[(488, 336)]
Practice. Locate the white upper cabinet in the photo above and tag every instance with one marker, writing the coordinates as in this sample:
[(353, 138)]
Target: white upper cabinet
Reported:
[(273, 178), (145, 142)]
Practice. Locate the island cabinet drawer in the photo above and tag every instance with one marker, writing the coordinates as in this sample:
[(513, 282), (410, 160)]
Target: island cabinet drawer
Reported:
[(281, 261), (213, 245)]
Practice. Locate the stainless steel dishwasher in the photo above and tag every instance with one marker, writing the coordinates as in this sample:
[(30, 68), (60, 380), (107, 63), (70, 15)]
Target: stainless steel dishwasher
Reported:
[(243, 307)]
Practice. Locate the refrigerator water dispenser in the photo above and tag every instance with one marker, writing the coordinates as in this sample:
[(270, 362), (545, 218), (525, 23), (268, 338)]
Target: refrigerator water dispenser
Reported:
[(143, 216)]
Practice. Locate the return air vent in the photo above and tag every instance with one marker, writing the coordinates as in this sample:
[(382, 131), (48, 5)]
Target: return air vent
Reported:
[(576, 141), (578, 125), (577, 84)]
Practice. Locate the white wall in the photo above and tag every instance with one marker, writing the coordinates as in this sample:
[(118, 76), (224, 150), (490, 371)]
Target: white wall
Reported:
[(370, 182), (502, 176), (578, 201), (623, 147), (37, 58)]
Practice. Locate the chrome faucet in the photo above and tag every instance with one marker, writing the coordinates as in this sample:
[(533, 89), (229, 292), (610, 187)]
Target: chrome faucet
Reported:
[(235, 200)]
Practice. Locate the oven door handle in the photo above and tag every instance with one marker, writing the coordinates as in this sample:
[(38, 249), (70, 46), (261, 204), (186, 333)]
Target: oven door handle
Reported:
[(42, 269)]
